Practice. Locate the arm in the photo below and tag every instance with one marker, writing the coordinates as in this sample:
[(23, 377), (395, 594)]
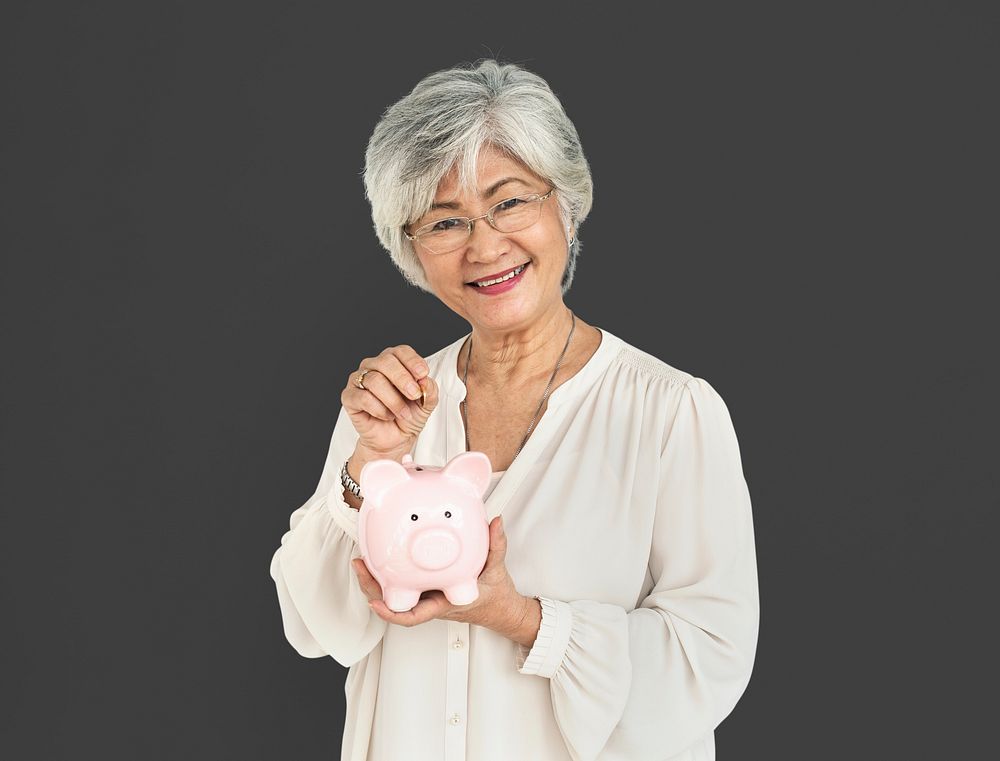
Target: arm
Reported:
[(323, 609), (650, 682)]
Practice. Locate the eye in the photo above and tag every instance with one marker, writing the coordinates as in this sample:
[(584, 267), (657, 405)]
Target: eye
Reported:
[(413, 517), (447, 513), (446, 224), (510, 203)]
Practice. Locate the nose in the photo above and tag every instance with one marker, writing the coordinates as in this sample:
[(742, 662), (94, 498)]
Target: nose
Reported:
[(434, 548), (486, 243)]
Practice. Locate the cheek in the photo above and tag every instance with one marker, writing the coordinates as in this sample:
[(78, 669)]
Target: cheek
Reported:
[(440, 279)]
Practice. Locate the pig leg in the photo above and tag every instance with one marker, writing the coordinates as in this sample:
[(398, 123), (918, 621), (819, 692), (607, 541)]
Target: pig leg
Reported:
[(400, 600), (463, 594)]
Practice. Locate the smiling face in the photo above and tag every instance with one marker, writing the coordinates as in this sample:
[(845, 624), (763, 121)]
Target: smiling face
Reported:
[(487, 252)]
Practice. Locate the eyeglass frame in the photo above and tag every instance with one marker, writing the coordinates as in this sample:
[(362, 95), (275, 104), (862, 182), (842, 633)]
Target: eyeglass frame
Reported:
[(488, 216)]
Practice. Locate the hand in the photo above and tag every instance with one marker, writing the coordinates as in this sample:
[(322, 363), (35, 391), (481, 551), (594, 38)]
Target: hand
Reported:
[(386, 414), (498, 606)]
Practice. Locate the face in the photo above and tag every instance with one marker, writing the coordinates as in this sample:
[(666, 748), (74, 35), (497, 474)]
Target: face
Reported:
[(544, 246)]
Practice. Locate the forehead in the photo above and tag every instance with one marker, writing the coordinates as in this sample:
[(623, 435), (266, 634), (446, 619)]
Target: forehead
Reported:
[(491, 167)]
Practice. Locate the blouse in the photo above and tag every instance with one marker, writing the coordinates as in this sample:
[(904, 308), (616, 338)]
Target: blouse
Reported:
[(626, 513), (494, 480)]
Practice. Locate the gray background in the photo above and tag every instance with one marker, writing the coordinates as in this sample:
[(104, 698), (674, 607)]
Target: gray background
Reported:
[(797, 202)]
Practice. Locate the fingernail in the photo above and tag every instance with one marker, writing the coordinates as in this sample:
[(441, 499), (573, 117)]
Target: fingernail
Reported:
[(412, 390), (421, 368)]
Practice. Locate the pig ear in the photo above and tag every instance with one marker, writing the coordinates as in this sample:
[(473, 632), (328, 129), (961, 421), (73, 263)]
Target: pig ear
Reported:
[(473, 468), (378, 476)]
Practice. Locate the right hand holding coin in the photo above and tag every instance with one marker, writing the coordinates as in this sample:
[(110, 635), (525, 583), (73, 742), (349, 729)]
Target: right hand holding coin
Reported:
[(395, 403)]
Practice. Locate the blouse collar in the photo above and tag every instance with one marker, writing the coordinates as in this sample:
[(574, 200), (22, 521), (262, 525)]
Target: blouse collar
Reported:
[(585, 377)]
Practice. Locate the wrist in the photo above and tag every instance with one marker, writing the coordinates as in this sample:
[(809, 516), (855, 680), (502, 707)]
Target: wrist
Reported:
[(363, 454), (526, 621), (355, 463)]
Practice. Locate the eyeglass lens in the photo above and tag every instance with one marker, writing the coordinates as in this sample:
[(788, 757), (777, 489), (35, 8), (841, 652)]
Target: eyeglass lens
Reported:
[(508, 216)]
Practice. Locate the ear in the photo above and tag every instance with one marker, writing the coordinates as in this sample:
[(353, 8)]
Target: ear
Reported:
[(472, 467), (378, 476)]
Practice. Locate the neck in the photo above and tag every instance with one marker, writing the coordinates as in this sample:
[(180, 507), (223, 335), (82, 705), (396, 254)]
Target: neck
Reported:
[(507, 359)]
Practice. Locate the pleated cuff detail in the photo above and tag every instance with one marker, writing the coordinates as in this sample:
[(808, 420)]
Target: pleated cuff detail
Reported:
[(546, 654)]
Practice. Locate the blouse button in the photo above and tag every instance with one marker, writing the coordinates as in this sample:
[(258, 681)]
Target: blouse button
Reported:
[(455, 719), (458, 644)]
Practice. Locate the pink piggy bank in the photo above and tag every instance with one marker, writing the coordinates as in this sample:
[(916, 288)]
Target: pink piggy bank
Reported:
[(422, 528)]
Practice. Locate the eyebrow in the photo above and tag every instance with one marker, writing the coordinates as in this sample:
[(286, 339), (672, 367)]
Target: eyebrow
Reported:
[(489, 191)]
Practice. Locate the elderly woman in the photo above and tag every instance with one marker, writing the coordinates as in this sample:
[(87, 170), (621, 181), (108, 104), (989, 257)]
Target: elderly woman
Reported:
[(617, 615)]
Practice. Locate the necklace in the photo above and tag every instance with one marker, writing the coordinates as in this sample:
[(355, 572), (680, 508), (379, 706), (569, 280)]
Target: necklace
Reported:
[(465, 414)]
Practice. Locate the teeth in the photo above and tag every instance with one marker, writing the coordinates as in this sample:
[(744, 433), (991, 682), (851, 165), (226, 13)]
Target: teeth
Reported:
[(508, 276)]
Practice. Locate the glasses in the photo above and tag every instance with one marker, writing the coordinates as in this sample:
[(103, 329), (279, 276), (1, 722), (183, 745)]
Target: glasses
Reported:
[(508, 216)]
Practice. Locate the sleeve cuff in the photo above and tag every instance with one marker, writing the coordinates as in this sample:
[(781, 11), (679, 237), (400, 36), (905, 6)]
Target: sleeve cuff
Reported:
[(546, 654), (342, 513)]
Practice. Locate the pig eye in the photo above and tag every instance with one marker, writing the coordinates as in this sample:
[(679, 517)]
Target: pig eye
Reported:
[(413, 517), (447, 513), (419, 468)]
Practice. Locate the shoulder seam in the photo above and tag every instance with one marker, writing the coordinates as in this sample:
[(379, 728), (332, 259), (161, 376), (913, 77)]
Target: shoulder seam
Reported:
[(653, 366)]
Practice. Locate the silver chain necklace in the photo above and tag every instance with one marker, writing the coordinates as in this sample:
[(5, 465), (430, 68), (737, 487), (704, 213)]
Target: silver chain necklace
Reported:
[(465, 414)]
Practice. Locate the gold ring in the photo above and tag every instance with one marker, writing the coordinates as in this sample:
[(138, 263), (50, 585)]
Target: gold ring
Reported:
[(360, 383)]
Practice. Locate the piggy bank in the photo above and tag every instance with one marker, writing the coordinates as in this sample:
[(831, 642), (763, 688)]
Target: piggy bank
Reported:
[(422, 527)]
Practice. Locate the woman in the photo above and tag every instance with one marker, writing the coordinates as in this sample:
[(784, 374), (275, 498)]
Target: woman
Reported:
[(618, 609)]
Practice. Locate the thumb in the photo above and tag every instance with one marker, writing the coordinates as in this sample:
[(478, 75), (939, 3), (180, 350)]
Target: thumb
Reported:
[(498, 539), (431, 394)]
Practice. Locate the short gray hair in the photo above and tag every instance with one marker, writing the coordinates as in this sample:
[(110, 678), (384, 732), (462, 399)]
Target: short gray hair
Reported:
[(444, 122)]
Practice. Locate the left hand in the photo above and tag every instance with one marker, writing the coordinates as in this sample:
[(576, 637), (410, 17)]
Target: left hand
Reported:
[(498, 603)]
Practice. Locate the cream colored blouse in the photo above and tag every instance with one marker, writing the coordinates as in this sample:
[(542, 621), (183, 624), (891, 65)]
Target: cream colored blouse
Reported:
[(626, 513), (494, 480)]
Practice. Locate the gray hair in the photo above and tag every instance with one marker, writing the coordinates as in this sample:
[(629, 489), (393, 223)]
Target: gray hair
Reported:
[(444, 122)]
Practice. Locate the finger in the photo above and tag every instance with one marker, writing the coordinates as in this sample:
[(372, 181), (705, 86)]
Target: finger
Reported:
[(359, 573), (365, 577), (361, 399), (357, 400), (413, 362), (369, 585), (432, 606), (423, 611), (354, 375), (360, 569), (371, 404), (390, 364), (386, 392)]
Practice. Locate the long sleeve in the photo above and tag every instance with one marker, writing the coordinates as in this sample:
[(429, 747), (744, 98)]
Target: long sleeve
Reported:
[(323, 609), (650, 682)]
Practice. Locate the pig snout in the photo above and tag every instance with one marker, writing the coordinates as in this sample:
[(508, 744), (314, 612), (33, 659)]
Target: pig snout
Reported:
[(435, 548)]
